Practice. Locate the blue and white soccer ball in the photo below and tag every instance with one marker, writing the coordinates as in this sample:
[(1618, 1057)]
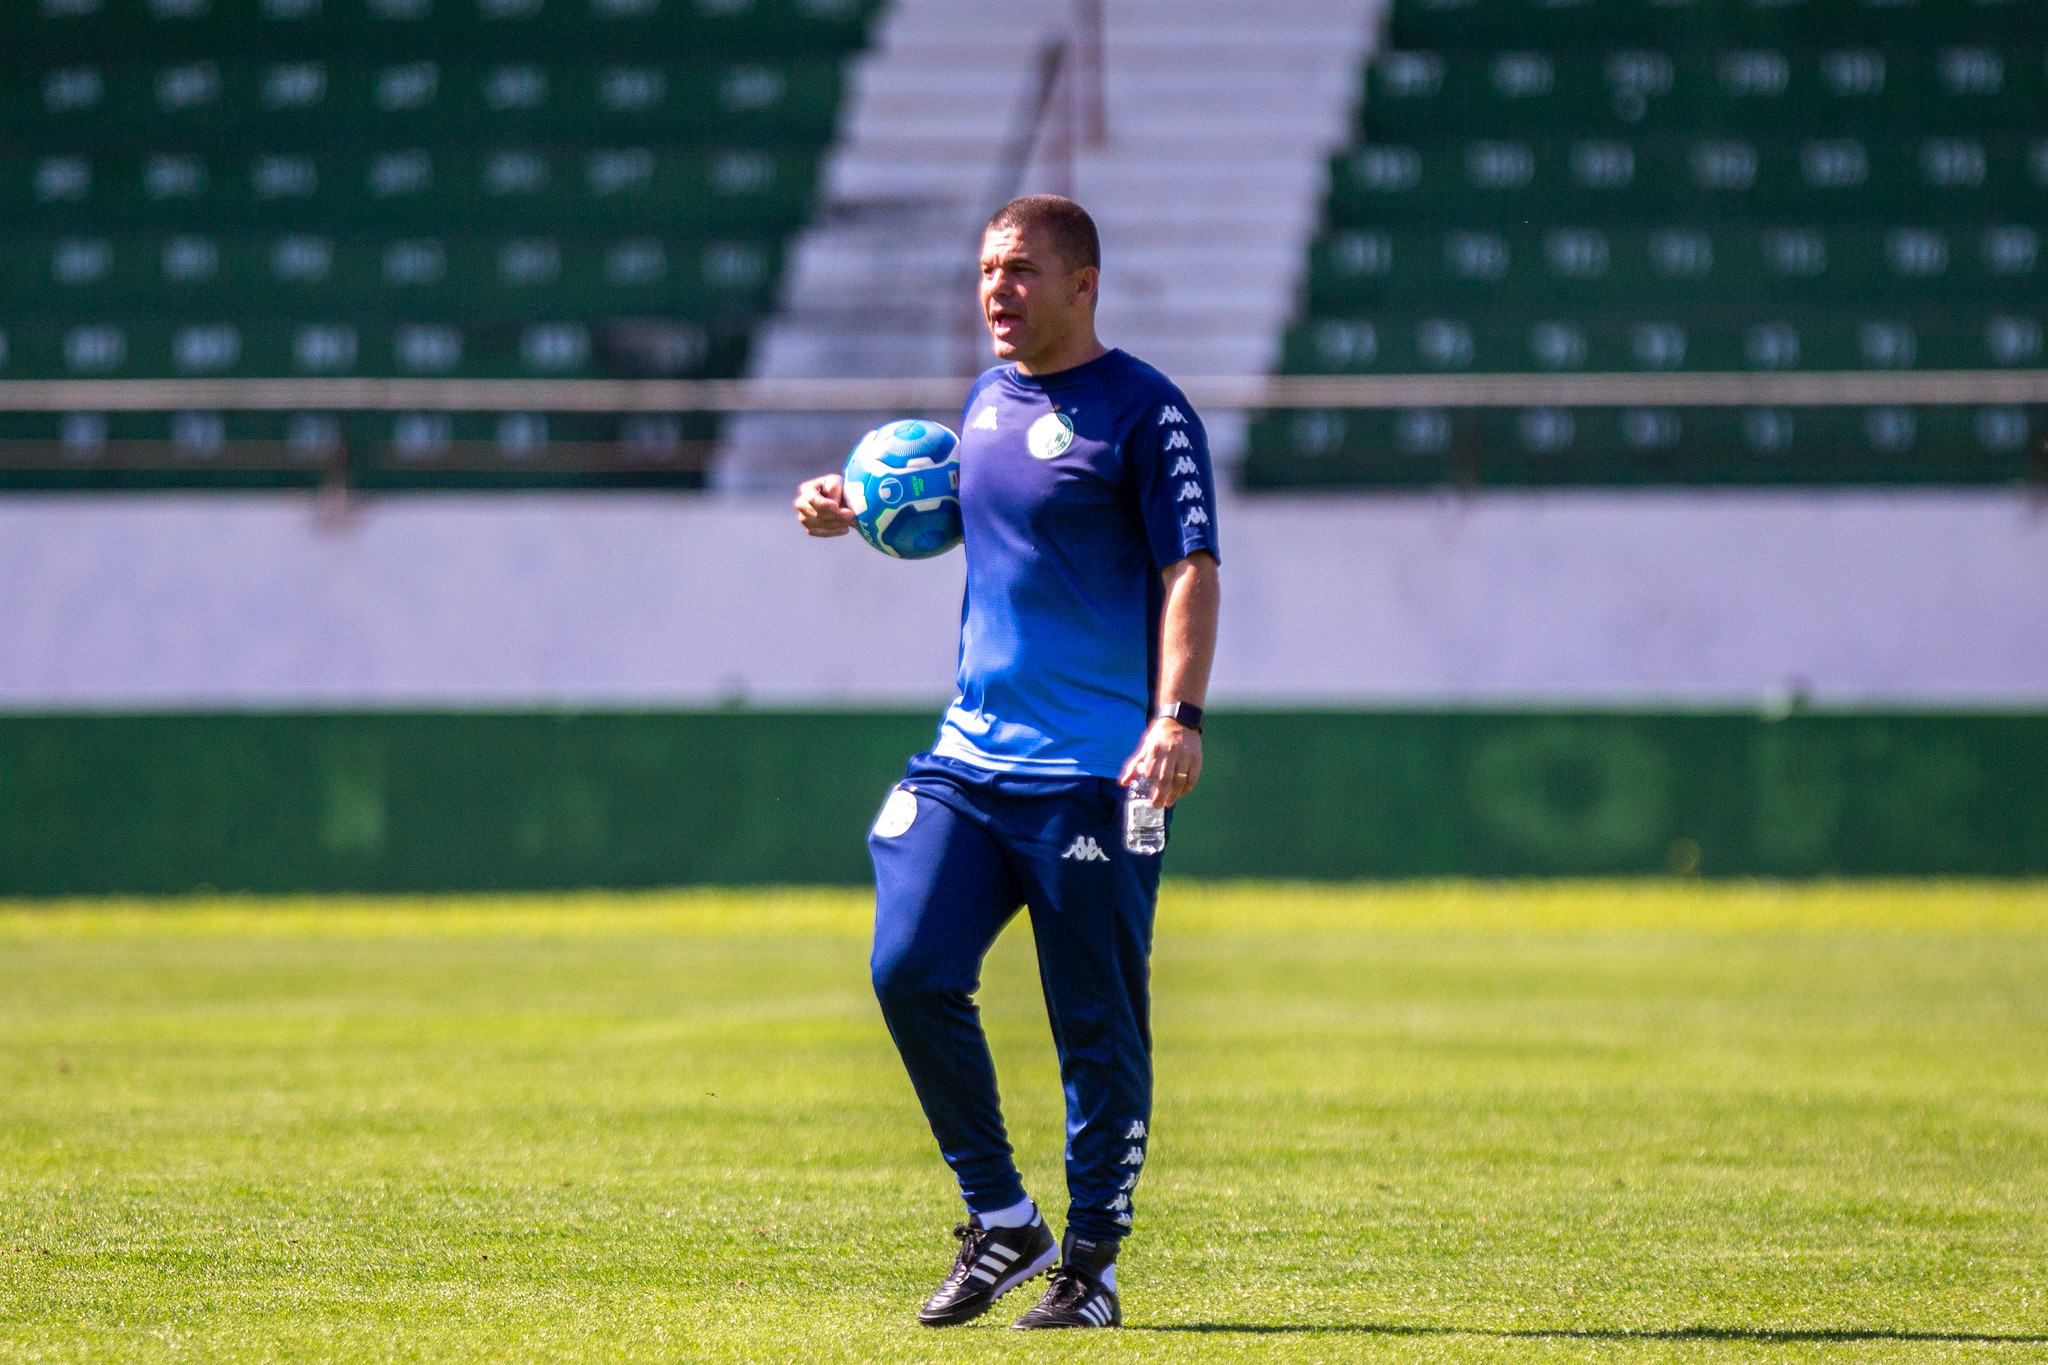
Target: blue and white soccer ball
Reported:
[(903, 484)]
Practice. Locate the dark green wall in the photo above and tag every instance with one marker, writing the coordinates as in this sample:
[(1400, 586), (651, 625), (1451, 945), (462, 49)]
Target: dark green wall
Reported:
[(378, 801)]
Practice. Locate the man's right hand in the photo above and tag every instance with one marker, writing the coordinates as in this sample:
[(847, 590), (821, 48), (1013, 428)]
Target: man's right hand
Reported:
[(821, 506)]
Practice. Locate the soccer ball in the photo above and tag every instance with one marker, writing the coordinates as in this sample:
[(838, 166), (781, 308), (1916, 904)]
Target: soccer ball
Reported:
[(903, 484)]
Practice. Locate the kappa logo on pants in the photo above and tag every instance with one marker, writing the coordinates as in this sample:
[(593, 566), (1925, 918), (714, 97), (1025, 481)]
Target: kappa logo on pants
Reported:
[(1084, 849)]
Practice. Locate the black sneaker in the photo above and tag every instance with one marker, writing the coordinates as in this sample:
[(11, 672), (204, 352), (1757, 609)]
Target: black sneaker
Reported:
[(1077, 1296), (992, 1262)]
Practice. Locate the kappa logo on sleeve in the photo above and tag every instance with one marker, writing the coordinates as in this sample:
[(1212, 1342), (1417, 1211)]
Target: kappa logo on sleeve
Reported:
[(1169, 416), (1084, 850), (1184, 465), (1179, 441), (1197, 516), (985, 420), (1189, 492)]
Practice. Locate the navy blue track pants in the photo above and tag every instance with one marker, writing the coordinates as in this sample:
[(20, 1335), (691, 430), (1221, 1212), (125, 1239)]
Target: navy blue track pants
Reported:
[(958, 851)]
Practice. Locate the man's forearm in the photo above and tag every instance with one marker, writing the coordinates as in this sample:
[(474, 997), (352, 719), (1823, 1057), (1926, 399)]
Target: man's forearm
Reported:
[(1187, 629)]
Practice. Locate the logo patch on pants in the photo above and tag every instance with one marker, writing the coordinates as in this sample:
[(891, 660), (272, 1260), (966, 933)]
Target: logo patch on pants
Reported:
[(1085, 849), (899, 813)]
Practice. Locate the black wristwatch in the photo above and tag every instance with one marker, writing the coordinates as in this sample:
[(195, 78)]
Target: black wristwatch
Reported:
[(1186, 712)]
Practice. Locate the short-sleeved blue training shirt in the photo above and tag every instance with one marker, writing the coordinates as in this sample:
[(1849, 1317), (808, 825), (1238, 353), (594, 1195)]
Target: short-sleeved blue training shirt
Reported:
[(1077, 489)]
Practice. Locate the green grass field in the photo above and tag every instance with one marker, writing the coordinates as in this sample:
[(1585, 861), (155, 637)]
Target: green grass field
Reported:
[(1615, 1121)]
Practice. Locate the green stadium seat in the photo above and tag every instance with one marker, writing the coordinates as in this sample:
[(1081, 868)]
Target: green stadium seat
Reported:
[(1917, 264), (370, 275), (463, 188), (450, 344), (45, 31), (412, 188), (1699, 337), (315, 105), (1553, 446), (1960, 88), (1601, 23), (1508, 179), (1631, 186)]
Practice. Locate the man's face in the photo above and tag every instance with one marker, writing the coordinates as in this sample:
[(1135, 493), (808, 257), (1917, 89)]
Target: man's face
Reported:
[(1031, 301)]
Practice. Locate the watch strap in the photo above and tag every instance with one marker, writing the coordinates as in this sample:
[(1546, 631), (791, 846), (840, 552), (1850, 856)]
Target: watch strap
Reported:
[(1186, 712)]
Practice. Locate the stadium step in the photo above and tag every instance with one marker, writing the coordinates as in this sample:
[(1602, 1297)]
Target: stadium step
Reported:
[(1220, 114)]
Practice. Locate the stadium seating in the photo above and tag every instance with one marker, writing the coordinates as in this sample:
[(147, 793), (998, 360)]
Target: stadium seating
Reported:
[(1645, 185), (458, 188)]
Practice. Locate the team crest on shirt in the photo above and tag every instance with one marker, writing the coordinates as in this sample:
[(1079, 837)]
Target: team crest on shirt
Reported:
[(1050, 436)]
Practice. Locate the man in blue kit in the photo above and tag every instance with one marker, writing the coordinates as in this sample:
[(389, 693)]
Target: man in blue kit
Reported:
[(1085, 646)]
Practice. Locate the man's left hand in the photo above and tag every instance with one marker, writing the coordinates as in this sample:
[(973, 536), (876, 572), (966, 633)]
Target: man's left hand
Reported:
[(1171, 755)]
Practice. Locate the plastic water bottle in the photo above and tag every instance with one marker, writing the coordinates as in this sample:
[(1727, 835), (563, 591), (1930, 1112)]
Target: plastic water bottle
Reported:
[(1144, 819)]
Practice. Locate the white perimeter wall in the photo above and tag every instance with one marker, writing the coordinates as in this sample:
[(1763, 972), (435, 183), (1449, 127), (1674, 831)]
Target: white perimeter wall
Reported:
[(628, 600)]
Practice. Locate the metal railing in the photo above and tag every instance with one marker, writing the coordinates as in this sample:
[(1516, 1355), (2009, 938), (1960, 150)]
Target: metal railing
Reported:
[(349, 434), (1842, 388)]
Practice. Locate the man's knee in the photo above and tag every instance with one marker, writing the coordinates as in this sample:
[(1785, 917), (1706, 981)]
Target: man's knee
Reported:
[(902, 981)]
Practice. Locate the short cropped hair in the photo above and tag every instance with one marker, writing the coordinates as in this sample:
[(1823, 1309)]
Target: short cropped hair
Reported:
[(1066, 222)]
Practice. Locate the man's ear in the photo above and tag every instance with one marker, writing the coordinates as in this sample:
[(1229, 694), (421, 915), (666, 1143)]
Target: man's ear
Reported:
[(1089, 279)]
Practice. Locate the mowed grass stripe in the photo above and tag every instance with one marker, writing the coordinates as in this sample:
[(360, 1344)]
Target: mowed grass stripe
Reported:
[(1484, 1122), (1608, 906)]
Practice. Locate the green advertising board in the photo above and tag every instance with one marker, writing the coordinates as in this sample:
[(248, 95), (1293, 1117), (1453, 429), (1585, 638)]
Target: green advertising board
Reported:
[(95, 804)]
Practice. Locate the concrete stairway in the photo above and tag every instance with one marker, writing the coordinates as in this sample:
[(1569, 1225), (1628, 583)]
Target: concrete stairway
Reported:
[(1220, 115)]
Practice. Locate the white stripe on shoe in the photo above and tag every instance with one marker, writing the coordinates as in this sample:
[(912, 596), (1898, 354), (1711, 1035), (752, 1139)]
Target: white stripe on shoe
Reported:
[(1017, 1276)]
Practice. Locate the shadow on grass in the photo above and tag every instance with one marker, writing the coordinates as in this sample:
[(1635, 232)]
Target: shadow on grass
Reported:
[(1760, 1334)]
